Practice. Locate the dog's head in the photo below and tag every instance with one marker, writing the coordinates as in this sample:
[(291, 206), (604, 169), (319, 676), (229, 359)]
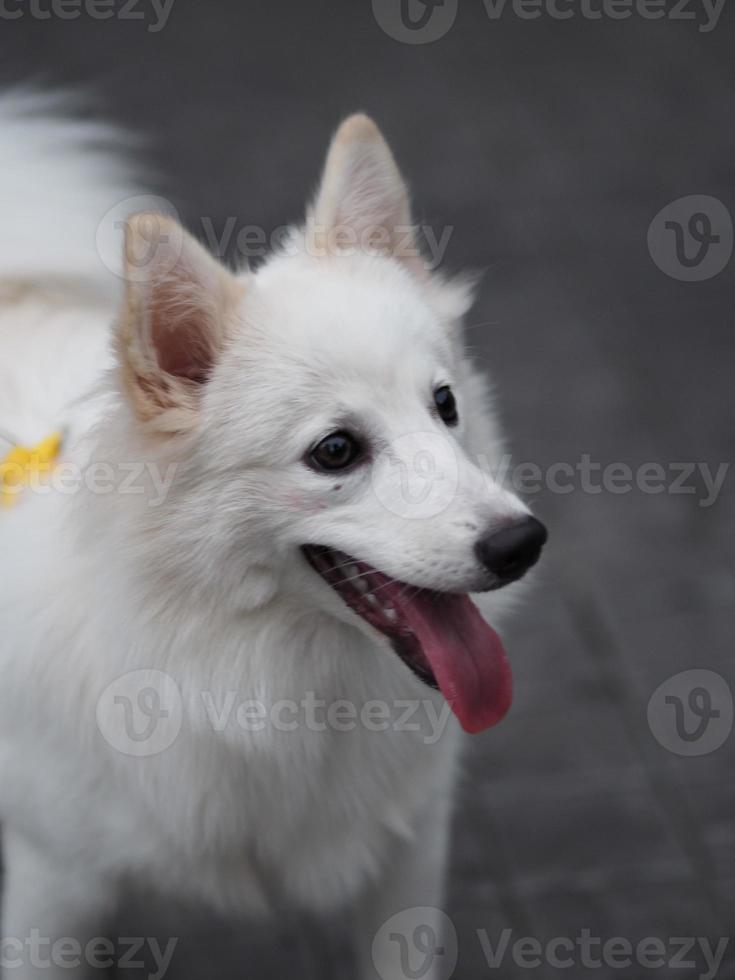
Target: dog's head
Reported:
[(326, 424)]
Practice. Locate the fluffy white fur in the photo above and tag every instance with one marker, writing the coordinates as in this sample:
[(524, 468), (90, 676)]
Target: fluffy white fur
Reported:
[(209, 585)]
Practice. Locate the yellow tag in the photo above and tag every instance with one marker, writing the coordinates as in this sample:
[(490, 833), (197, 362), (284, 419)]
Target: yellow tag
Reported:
[(25, 464)]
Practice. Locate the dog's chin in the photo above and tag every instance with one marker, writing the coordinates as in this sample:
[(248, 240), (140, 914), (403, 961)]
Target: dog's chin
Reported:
[(439, 636)]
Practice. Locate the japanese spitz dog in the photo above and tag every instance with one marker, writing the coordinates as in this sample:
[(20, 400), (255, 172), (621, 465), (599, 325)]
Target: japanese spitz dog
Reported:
[(237, 642)]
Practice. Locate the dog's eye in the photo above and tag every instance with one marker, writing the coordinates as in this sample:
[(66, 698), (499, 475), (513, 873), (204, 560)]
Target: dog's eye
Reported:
[(336, 452), (446, 405)]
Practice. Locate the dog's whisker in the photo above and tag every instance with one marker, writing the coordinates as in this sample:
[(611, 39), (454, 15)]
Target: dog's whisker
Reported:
[(386, 584), (355, 578)]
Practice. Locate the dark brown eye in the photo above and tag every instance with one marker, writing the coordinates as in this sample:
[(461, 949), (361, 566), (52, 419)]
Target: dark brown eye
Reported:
[(446, 405), (336, 452)]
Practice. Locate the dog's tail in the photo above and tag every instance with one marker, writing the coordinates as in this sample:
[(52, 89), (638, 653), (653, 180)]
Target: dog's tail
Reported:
[(63, 181)]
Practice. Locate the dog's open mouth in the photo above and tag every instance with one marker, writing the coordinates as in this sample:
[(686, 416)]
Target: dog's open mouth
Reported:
[(440, 636)]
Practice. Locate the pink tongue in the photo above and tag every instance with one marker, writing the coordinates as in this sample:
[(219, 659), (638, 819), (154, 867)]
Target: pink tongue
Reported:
[(466, 656)]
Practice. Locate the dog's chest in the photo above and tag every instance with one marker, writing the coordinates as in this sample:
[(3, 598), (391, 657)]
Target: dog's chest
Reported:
[(304, 814)]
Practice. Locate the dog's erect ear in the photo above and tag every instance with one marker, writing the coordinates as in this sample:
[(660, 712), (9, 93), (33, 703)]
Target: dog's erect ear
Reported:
[(177, 314), (362, 201)]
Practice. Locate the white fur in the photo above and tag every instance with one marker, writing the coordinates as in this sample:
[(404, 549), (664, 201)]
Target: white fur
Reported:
[(209, 586)]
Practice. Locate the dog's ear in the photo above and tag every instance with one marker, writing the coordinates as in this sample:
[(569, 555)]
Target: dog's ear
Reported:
[(177, 314), (362, 201)]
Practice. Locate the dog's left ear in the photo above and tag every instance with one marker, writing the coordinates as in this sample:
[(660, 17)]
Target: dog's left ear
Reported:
[(178, 310), (362, 200)]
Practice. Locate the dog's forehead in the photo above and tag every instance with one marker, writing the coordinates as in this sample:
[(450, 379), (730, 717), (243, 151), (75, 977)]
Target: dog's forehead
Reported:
[(345, 313)]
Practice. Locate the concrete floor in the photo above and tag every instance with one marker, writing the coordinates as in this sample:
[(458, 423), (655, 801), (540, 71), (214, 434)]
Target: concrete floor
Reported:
[(549, 147)]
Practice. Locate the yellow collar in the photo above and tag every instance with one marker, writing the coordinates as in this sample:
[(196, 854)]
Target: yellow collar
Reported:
[(27, 464)]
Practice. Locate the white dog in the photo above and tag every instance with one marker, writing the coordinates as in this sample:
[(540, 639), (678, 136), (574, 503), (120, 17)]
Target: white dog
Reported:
[(234, 616)]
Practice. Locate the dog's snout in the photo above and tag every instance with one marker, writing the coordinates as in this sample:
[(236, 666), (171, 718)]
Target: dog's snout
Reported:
[(510, 552)]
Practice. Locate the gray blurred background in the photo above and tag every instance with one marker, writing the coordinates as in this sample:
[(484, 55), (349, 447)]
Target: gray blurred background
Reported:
[(547, 147)]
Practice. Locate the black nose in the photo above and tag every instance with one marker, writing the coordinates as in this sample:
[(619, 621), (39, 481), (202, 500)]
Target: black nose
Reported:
[(510, 552)]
